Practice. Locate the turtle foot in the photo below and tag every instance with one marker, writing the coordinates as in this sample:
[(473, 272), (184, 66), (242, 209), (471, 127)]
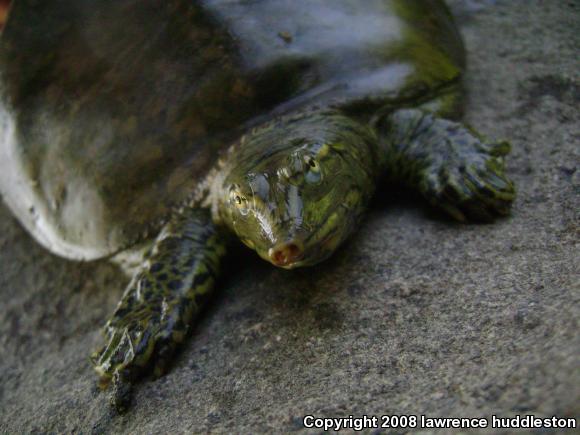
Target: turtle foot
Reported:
[(144, 330), (471, 186), (160, 303), (455, 168)]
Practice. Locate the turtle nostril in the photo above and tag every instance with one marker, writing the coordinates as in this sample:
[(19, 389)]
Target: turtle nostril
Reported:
[(285, 254), (279, 257)]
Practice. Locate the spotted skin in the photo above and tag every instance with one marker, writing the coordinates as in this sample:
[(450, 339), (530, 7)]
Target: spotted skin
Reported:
[(135, 122), (455, 168), (304, 179), (294, 190), (302, 183), (160, 303)]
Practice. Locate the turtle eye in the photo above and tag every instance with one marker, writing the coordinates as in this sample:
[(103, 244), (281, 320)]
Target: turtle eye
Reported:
[(313, 172), (312, 163), (239, 201)]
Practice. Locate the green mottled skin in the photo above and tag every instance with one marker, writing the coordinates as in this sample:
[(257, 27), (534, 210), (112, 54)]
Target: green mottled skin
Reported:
[(304, 180), (293, 188), (452, 166), (162, 300)]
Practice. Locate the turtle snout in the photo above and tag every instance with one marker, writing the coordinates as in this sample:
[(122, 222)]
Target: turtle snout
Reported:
[(287, 253)]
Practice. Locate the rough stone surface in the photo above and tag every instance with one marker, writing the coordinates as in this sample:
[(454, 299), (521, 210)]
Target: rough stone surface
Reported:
[(416, 315)]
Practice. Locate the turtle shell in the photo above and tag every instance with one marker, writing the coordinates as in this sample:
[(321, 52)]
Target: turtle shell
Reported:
[(113, 112)]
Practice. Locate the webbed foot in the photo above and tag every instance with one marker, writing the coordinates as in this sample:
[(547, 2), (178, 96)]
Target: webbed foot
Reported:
[(157, 308), (473, 185), (455, 168), (146, 323)]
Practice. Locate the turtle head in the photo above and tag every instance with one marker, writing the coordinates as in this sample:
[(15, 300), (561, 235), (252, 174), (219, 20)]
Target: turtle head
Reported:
[(295, 190)]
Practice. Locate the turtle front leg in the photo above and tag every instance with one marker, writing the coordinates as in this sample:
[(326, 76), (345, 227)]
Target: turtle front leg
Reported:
[(158, 306), (455, 168)]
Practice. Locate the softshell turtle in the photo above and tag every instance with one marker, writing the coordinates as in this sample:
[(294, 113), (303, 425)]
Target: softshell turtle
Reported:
[(162, 126)]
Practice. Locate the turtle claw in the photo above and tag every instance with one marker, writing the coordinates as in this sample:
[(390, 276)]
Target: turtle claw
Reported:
[(117, 379), (122, 393), (135, 338), (500, 148), (455, 168), (475, 189)]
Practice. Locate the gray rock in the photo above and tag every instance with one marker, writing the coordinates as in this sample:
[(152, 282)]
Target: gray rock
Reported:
[(416, 315)]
